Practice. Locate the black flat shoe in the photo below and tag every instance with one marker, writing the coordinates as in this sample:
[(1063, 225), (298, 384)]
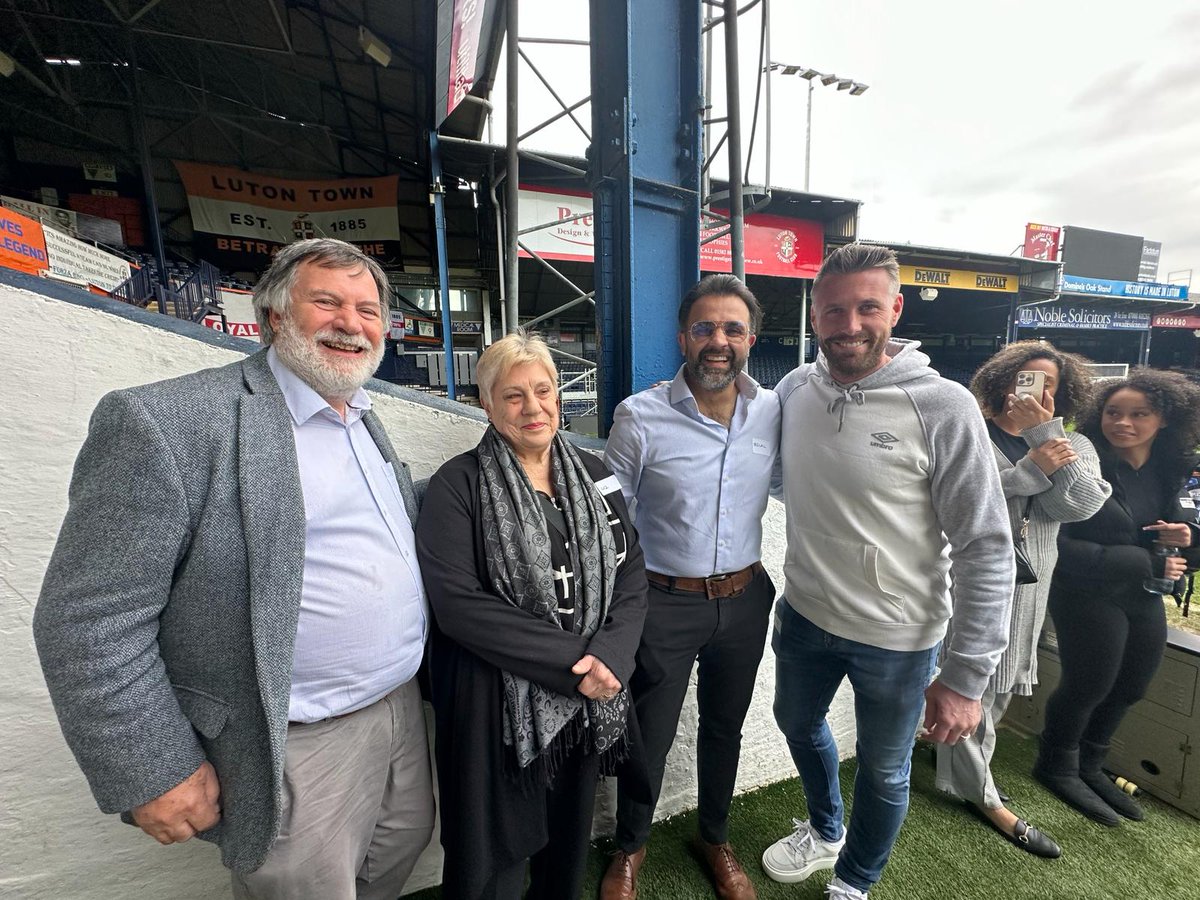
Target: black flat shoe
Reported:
[(1033, 841), (1026, 836)]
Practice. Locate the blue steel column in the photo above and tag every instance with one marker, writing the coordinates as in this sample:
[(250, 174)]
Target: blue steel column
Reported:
[(645, 173), (438, 191)]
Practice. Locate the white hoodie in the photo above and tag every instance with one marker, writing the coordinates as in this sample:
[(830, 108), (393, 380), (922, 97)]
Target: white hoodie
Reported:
[(895, 515)]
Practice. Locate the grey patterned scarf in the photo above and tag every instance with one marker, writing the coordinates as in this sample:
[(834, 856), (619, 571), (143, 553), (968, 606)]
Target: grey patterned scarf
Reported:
[(517, 547)]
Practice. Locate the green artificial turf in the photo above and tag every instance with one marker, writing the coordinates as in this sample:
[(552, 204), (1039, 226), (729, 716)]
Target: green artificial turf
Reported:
[(943, 851)]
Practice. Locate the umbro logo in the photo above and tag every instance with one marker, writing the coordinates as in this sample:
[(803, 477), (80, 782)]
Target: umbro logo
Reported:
[(884, 440)]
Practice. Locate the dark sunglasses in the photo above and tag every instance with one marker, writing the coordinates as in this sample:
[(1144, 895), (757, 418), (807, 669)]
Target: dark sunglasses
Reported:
[(734, 331)]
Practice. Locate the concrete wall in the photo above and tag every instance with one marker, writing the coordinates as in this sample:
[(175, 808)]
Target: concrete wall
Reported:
[(58, 356)]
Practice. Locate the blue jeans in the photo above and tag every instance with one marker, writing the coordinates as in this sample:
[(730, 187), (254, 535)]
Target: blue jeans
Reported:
[(889, 694)]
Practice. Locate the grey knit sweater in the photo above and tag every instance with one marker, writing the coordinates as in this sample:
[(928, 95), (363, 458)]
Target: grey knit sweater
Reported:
[(1073, 493)]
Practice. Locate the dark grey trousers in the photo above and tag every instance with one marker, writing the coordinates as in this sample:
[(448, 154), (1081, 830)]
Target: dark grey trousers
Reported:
[(726, 637)]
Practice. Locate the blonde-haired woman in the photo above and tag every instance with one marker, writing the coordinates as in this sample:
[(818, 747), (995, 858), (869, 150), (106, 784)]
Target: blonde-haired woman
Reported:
[(536, 581)]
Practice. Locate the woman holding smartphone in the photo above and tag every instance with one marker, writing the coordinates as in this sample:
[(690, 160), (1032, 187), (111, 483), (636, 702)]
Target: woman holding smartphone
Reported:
[(1026, 392), (1107, 611)]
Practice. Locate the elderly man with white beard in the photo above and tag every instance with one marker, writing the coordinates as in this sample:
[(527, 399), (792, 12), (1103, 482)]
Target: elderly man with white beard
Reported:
[(233, 617)]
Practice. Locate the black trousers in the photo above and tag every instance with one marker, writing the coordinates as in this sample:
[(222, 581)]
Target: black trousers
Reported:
[(727, 638), (556, 871), (1109, 651)]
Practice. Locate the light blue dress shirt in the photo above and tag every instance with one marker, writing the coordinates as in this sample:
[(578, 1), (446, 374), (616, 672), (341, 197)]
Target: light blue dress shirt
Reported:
[(697, 490), (362, 624)]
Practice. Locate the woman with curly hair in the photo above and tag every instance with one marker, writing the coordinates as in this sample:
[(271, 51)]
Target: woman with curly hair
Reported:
[(1111, 629), (1049, 476)]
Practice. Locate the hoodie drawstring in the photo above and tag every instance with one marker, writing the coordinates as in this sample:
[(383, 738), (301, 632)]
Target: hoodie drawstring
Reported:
[(838, 404)]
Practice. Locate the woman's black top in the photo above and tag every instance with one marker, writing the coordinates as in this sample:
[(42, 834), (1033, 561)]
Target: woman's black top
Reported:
[(1109, 556), (561, 565), (1013, 447)]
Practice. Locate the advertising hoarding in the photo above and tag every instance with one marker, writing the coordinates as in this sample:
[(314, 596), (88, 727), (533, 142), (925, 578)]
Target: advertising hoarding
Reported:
[(1085, 318), (926, 276), (22, 245), (1042, 241), (1173, 320), (774, 245), (1138, 290)]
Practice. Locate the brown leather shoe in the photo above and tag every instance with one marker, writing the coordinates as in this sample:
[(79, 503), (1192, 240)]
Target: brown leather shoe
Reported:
[(620, 881), (730, 880)]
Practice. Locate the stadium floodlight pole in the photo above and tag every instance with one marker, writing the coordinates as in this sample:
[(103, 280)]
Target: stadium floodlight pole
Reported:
[(856, 89)]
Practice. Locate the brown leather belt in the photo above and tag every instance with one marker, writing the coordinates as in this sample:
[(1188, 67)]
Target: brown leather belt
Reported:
[(714, 587)]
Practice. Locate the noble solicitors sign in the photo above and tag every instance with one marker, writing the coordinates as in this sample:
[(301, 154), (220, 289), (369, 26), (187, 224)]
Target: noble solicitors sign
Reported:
[(1086, 318)]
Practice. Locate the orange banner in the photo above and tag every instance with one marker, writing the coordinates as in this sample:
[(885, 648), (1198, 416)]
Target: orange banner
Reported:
[(22, 244)]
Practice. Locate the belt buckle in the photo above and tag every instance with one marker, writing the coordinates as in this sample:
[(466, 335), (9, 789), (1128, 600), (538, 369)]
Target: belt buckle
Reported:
[(711, 583)]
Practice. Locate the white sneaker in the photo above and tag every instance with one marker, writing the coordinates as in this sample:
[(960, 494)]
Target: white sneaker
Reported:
[(801, 853), (839, 890)]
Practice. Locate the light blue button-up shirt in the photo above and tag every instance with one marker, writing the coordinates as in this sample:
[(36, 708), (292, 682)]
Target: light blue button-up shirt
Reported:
[(362, 624), (697, 490)]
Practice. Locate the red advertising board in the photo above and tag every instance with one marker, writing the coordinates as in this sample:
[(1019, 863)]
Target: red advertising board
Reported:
[(22, 243), (773, 245), (1041, 242), (1175, 320)]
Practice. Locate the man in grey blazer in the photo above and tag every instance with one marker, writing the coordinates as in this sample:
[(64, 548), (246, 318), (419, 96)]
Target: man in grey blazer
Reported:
[(233, 617)]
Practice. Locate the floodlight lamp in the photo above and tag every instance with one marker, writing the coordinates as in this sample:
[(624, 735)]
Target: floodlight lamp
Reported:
[(858, 90), (7, 64), (809, 74), (844, 84), (827, 80), (790, 70), (374, 47)]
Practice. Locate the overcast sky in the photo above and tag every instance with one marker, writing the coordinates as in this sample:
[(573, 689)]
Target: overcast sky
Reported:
[(980, 117)]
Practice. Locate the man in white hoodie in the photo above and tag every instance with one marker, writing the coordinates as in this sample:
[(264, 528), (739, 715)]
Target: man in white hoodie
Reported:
[(895, 519)]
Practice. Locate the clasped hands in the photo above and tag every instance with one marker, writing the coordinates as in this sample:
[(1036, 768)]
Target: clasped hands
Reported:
[(599, 683)]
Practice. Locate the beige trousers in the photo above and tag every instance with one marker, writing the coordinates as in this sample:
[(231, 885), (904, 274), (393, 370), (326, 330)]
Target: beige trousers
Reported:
[(357, 806)]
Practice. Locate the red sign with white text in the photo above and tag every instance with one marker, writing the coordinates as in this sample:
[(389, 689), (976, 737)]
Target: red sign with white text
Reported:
[(1174, 320), (1041, 242), (773, 245)]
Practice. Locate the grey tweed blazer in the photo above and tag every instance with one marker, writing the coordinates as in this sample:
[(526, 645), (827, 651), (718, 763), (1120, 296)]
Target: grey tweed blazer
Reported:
[(167, 617)]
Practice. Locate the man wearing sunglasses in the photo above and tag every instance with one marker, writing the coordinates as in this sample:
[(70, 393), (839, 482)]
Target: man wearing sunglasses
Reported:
[(694, 458)]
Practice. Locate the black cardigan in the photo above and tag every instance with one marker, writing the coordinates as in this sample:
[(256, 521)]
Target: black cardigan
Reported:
[(1108, 555), (488, 821)]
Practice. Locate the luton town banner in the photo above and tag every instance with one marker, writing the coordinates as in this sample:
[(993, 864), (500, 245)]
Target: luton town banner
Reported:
[(249, 215)]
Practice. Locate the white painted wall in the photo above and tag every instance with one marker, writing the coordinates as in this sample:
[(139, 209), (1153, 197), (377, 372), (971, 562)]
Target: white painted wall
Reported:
[(56, 360)]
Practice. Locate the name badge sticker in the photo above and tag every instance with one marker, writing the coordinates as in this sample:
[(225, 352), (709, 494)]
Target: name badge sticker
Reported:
[(1187, 502), (608, 485), (761, 447)]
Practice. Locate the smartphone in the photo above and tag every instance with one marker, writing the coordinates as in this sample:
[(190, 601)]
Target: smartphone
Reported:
[(1031, 382)]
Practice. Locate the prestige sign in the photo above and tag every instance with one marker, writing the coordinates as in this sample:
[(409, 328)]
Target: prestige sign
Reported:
[(1086, 318), (774, 245), (924, 276)]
